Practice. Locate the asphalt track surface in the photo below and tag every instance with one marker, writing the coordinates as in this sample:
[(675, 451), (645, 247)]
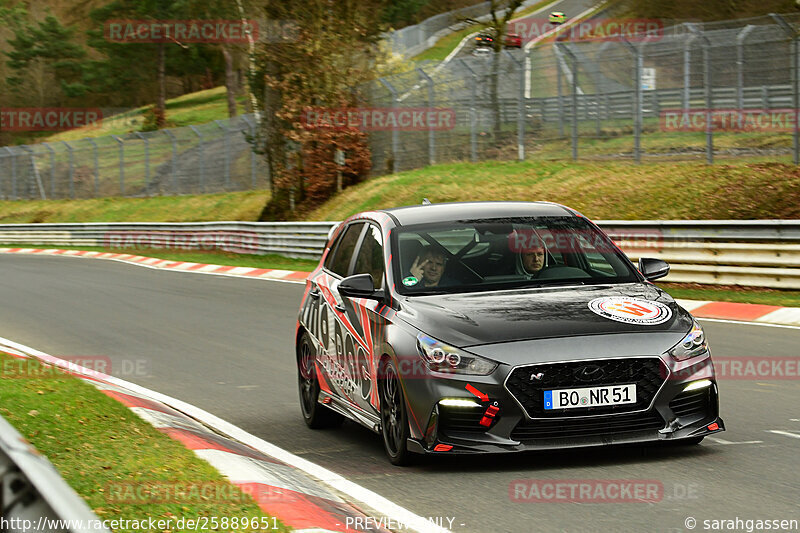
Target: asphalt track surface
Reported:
[(226, 345)]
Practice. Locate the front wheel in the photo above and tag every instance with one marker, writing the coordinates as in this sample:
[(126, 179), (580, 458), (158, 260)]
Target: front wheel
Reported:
[(315, 414), (394, 416)]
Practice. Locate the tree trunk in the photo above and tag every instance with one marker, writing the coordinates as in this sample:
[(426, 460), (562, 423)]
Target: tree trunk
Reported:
[(230, 81), (161, 113)]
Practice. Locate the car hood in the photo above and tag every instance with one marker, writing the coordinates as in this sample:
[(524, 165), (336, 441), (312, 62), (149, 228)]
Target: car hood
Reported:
[(472, 319)]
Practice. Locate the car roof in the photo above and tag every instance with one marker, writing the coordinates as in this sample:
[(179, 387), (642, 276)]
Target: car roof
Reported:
[(434, 213)]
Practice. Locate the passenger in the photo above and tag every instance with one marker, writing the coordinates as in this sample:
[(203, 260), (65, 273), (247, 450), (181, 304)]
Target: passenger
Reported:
[(532, 259), (428, 267)]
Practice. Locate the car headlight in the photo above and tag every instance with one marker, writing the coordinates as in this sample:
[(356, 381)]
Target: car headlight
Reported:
[(692, 345), (443, 358)]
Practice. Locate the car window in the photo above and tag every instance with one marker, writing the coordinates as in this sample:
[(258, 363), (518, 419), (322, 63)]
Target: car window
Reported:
[(369, 259), (493, 254), (344, 249)]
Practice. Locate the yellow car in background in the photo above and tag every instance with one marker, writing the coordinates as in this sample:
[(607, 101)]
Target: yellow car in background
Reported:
[(557, 17)]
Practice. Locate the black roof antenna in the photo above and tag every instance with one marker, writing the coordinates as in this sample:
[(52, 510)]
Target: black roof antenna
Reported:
[(425, 201)]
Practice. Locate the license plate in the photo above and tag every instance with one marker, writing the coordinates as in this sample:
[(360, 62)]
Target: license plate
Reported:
[(590, 396)]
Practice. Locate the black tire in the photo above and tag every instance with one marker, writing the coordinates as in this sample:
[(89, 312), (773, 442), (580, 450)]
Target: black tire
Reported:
[(394, 416), (316, 415)]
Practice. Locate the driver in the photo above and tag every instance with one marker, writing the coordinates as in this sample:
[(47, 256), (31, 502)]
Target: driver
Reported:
[(428, 267)]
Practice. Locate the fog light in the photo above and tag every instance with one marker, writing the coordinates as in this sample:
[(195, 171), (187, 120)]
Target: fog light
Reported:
[(442, 448), (696, 385), (458, 402), (713, 427)]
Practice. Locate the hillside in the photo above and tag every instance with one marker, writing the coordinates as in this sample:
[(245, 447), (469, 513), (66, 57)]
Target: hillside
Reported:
[(607, 190)]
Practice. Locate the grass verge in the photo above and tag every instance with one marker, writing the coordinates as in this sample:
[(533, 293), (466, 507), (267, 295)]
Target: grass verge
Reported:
[(98, 446), (246, 205), (210, 257), (194, 108)]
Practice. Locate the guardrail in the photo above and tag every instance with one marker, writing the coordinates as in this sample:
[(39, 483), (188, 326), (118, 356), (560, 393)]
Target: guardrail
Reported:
[(33, 496), (760, 253)]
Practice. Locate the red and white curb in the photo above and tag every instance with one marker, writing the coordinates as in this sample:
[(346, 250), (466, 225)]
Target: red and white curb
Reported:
[(302, 495), (739, 312), (757, 313), (168, 264)]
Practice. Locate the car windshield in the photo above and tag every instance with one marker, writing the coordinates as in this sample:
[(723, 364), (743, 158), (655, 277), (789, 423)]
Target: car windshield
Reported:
[(507, 253)]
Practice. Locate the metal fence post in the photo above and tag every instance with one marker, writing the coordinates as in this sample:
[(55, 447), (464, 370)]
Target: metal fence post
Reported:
[(740, 37), (637, 100), (708, 94), (559, 75), (96, 166), (520, 107), (146, 162), (35, 171), (473, 113), (173, 163), (687, 63), (795, 70), (200, 158), (121, 164), (71, 169), (431, 132), (252, 128), (226, 139), (395, 133), (2, 194), (13, 157), (574, 117), (52, 169)]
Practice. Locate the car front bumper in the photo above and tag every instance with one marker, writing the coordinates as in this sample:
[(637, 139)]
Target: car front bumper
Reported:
[(500, 423)]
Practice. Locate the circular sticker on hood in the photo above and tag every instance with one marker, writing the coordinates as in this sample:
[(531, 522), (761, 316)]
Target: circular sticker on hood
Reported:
[(631, 310)]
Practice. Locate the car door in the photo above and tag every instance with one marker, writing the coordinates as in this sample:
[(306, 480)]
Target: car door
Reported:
[(370, 318), (326, 318)]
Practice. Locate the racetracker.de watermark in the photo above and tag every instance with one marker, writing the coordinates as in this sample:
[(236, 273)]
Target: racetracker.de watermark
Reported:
[(229, 241), (380, 118), (586, 491), (744, 368), (574, 240), (188, 492), (740, 120), (608, 29), (77, 365), (239, 31), (49, 118)]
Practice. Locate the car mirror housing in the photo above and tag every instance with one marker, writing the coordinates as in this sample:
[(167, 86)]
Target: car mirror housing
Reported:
[(359, 286), (653, 269)]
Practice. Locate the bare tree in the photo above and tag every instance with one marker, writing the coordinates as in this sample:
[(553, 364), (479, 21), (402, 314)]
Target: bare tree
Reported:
[(501, 12)]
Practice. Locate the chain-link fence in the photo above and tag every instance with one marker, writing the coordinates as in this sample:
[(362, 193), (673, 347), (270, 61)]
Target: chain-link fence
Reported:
[(206, 158), (690, 91)]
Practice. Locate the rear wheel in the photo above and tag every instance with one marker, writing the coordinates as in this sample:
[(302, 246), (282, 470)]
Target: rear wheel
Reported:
[(394, 416), (315, 414)]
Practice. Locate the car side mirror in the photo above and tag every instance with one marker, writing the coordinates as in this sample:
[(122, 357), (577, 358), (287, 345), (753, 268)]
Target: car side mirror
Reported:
[(653, 269), (359, 286)]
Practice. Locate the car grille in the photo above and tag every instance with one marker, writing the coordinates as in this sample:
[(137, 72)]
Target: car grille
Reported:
[(692, 403), (599, 426), (649, 373)]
